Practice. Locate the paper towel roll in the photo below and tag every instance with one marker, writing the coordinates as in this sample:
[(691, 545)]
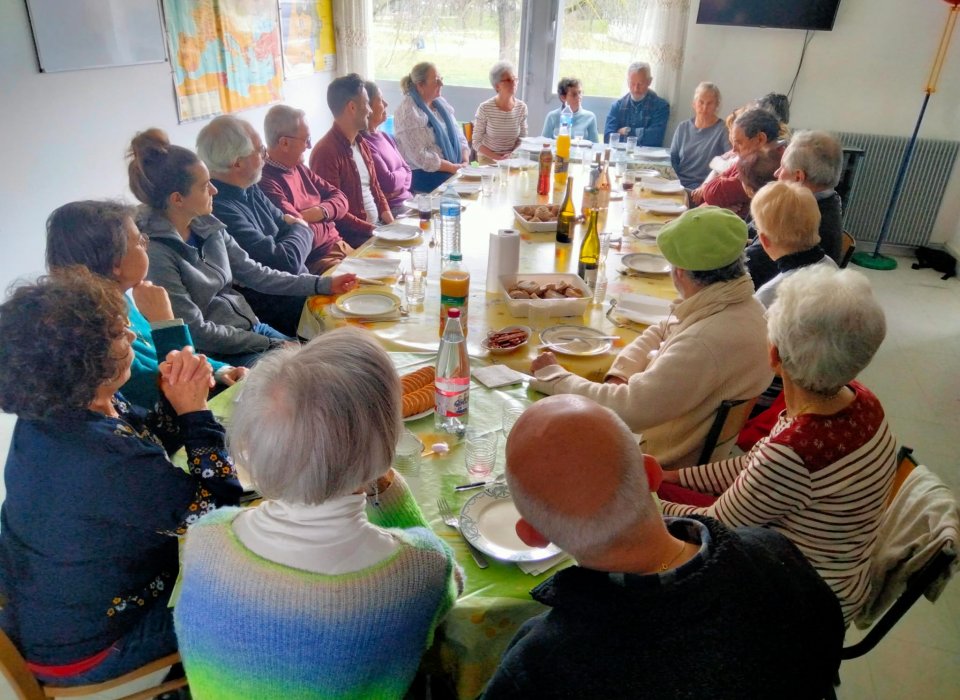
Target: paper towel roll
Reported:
[(503, 258)]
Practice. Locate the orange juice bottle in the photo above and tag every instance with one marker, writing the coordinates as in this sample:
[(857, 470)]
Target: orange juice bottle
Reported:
[(454, 290)]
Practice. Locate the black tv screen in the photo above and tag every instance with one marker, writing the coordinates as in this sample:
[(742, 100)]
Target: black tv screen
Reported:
[(781, 14)]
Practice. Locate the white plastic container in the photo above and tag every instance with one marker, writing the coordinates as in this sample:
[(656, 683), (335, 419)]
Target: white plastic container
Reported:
[(519, 308)]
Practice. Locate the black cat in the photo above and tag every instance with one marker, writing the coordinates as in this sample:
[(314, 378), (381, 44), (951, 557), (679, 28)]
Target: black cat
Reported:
[(939, 260)]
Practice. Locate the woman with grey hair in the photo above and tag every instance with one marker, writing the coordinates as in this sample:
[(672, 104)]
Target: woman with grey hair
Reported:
[(823, 474), (336, 560), (699, 140), (501, 121), (427, 131)]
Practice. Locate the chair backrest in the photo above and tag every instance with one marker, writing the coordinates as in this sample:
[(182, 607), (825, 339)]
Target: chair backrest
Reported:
[(940, 563), (468, 133), (725, 428), (847, 247), (25, 685)]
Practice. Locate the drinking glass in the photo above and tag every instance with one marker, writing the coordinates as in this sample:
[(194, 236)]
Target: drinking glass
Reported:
[(486, 182), (407, 458), (423, 206), (538, 315), (629, 178), (480, 452), (508, 416), (417, 279), (631, 144), (614, 140), (504, 166)]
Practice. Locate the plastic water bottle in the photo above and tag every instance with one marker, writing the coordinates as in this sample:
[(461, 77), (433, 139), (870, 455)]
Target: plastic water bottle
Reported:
[(449, 222), (566, 119), (452, 383)]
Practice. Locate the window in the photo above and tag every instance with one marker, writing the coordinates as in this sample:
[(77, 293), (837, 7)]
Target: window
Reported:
[(462, 37)]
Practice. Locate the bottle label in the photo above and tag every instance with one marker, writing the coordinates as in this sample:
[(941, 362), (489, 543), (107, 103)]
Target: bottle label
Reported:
[(452, 396), (560, 166)]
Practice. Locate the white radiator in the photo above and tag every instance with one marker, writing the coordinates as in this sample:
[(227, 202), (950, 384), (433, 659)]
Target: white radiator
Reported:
[(916, 211)]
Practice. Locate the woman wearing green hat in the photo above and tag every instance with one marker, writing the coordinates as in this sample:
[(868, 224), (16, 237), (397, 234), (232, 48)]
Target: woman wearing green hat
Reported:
[(670, 381)]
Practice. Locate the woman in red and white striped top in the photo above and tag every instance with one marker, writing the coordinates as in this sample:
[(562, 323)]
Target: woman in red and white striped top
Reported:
[(822, 476), (501, 121)]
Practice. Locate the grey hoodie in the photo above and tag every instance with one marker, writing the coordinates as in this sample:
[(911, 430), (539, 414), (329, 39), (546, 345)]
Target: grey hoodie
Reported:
[(199, 283)]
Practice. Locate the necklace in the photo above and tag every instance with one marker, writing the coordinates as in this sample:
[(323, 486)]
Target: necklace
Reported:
[(664, 567)]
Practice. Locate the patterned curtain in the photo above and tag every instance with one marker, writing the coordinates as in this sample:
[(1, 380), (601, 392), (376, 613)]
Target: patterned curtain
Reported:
[(659, 32), (353, 24)]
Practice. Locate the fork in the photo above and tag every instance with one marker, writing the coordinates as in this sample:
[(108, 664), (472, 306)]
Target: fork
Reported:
[(447, 515)]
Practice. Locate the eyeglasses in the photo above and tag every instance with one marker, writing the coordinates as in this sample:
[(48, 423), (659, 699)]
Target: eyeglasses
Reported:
[(510, 80), (306, 141)]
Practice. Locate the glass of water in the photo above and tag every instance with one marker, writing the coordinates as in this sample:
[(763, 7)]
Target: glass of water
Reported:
[(417, 279), (614, 140)]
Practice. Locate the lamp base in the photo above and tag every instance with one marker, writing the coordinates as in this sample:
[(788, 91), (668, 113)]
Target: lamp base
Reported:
[(874, 262)]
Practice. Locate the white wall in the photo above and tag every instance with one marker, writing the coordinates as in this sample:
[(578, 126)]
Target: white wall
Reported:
[(64, 134)]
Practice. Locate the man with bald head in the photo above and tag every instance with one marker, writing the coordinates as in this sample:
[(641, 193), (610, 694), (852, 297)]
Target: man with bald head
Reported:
[(658, 608)]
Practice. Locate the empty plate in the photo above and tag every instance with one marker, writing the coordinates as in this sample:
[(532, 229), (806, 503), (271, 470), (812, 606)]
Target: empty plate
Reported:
[(662, 206), (575, 340), (476, 171), (397, 232), (661, 186), (643, 309), (368, 302), (647, 232), (646, 263), (488, 522), (651, 152)]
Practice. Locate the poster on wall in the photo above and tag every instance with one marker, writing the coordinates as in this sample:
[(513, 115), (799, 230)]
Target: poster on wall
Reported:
[(306, 27), (225, 55)]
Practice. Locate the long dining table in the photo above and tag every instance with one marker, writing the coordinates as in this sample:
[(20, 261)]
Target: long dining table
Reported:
[(495, 600)]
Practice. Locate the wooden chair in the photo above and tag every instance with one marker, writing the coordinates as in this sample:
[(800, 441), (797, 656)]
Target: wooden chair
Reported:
[(847, 247), (468, 133), (726, 427), (938, 565), (26, 686)]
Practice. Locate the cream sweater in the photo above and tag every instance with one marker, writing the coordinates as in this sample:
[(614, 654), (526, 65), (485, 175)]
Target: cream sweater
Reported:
[(712, 348)]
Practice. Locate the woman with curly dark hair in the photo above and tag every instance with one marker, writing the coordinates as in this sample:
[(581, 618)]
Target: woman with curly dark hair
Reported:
[(103, 237), (88, 531)]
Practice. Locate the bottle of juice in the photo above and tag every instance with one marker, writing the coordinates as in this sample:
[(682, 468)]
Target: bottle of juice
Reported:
[(454, 289), (543, 179), (563, 158)]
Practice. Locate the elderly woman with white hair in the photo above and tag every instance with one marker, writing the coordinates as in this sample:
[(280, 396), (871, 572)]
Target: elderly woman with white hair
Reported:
[(501, 121), (700, 139), (333, 585), (823, 474), (426, 130)]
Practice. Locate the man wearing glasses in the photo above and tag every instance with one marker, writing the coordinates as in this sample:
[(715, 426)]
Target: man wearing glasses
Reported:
[(344, 160), (234, 153)]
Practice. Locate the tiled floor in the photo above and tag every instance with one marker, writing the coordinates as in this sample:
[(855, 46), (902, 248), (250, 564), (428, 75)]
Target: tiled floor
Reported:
[(916, 374)]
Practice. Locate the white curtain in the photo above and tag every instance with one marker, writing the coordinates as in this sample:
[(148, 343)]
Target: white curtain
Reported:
[(353, 27), (659, 34)]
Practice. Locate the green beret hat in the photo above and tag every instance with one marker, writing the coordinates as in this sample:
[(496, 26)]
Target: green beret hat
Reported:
[(705, 238)]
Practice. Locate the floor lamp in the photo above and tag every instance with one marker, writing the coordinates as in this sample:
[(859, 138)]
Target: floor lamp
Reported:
[(875, 261)]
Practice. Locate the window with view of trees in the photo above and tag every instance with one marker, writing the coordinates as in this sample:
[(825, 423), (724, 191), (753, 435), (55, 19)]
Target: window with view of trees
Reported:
[(462, 37)]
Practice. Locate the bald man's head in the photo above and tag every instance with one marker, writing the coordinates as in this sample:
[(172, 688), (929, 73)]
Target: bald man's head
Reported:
[(576, 473)]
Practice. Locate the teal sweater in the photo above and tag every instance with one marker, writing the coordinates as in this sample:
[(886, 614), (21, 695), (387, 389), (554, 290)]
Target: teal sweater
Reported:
[(148, 346), (251, 628)]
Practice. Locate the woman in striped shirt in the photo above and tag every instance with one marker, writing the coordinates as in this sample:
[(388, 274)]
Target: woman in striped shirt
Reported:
[(823, 475), (501, 121)]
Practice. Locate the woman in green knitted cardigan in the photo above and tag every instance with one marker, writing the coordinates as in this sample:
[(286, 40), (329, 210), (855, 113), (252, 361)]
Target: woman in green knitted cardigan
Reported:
[(334, 585)]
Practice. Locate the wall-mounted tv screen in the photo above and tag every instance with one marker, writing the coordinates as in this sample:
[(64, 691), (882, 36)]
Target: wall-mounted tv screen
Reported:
[(781, 14)]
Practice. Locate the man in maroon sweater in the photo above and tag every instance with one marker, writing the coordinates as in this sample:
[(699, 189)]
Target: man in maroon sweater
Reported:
[(299, 192), (345, 161)]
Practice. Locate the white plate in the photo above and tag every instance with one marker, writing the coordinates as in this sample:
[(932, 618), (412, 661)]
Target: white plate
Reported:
[(647, 232), (586, 344), (648, 264), (488, 522), (467, 187), (418, 416), (414, 208), (397, 232), (662, 206), (661, 186), (476, 171), (368, 303), (643, 309), (535, 142), (651, 152)]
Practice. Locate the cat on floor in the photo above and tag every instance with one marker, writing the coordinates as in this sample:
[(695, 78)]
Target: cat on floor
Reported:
[(939, 260)]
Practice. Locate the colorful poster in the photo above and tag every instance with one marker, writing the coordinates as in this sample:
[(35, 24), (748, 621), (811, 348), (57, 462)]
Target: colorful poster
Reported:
[(308, 41), (225, 55)]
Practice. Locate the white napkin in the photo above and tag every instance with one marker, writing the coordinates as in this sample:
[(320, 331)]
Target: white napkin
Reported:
[(642, 308), (494, 376), (535, 568), (371, 268), (503, 257)]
